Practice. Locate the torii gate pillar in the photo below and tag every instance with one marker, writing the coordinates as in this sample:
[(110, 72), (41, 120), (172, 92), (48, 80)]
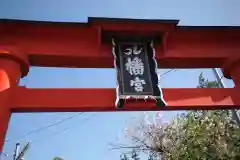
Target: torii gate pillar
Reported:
[(13, 65), (231, 69)]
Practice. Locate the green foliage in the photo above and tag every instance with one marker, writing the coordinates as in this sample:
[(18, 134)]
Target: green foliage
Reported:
[(58, 158), (196, 135), (124, 157), (150, 157), (207, 135), (134, 155), (203, 83)]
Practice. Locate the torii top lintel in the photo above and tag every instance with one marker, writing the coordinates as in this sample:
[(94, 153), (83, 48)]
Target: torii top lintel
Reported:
[(65, 44)]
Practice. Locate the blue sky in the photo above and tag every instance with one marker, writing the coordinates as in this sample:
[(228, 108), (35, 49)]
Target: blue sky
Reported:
[(88, 135)]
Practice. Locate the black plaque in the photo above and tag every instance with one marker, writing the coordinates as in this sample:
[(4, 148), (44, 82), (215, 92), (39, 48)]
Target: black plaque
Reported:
[(136, 71)]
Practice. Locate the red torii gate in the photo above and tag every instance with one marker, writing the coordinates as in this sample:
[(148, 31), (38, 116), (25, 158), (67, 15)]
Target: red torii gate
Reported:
[(81, 45)]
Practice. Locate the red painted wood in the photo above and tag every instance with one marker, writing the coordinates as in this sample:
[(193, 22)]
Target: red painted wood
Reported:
[(232, 70), (9, 74), (77, 45), (97, 100), (13, 65)]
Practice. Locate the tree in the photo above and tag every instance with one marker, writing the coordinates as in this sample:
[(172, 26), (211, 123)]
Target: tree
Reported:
[(204, 83), (124, 157), (150, 157), (134, 155), (58, 158), (196, 135)]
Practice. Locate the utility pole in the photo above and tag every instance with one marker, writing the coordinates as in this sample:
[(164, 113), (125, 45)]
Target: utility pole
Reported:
[(16, 152), (19, 155), (235, 114)]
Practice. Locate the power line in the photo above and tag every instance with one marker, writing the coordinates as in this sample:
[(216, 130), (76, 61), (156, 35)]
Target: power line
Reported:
[(173, 70), (161, 76), (67, 128), (59, 132), (167, 72), (63, 120), (46, 127)]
